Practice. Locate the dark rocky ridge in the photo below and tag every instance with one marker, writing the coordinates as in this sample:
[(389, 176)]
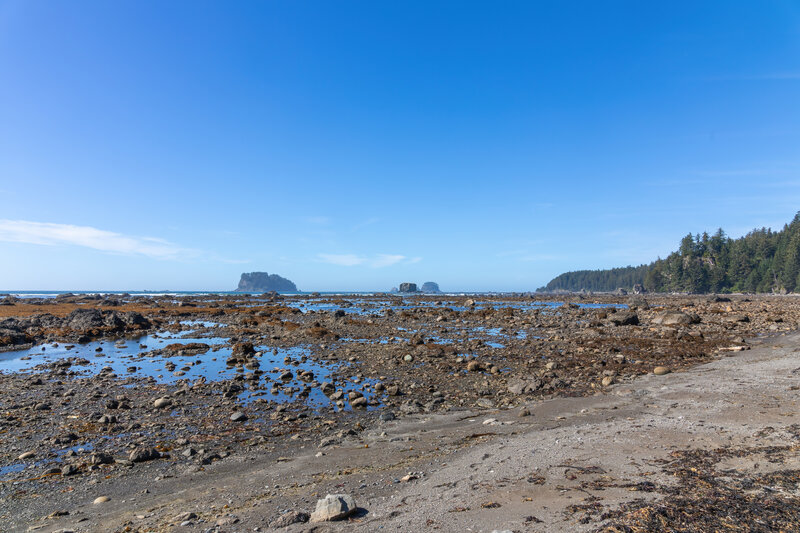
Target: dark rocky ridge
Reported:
[(262, 281)]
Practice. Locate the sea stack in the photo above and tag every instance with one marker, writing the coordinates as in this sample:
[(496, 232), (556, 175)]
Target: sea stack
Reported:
[(430, 287), (264, 282)]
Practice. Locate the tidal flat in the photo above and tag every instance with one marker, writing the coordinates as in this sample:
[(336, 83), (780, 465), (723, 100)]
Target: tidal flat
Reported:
[(234, 412)]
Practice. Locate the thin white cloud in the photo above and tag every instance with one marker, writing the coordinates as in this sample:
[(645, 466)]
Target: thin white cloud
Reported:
[(49, 234), (384, 260), (378, 261), (342, 259)]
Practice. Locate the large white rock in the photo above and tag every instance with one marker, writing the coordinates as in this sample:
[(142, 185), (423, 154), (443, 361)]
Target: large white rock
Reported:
[(333, 507)]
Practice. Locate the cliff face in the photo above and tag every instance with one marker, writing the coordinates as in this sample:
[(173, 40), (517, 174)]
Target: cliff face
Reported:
[(262, 281)]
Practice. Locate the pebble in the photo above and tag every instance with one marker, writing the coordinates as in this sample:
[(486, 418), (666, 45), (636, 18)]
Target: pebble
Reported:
[(238, 416), (101, 499), (228, 520), (183, 517), (661, 370)]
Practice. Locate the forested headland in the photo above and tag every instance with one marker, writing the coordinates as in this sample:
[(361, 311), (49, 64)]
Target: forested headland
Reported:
[(761, 261)]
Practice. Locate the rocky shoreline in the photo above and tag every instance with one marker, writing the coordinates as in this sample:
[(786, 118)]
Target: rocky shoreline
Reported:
[(161, 388)]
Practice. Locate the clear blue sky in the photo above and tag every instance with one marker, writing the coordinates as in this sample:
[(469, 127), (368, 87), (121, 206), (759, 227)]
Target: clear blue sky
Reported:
[(355, 145)]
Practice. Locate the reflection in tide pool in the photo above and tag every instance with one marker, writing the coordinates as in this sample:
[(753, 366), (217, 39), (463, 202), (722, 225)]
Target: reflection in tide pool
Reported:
[(146, 357)]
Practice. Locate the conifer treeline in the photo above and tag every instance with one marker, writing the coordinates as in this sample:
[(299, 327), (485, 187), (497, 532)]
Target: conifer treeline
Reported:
[(761, 261)]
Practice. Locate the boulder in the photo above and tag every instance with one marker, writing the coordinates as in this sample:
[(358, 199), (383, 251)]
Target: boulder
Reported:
[(82, 319), (474, 366), (88, 319), (359, 403), (12, 336), (243, 349), (674, 318), (134, 320), (334, 507), (624, 319), (288, 518), (525, 386), (142, 454), (162, 403), (638, 302)]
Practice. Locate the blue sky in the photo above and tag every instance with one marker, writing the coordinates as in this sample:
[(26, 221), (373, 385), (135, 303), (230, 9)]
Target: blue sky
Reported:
[(355, 145)]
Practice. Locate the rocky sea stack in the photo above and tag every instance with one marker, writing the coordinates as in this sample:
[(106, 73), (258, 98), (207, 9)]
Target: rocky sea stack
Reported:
[(263, 282), (430, 287), (408, 287)]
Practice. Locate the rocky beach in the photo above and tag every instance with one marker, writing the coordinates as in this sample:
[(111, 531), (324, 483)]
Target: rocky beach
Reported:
[(477, 413)]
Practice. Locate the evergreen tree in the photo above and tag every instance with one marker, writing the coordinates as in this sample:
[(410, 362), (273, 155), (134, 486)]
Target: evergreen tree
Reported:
[(761, 261)]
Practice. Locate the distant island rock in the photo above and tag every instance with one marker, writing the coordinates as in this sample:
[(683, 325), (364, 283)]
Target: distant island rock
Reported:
[(430, 287), (263, 282), (408, 287)]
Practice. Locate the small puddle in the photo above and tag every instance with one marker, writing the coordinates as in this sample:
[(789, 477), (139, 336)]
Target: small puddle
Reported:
[(12, 469)]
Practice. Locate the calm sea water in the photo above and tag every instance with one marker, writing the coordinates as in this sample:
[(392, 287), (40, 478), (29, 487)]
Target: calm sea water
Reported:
[(53, 294)]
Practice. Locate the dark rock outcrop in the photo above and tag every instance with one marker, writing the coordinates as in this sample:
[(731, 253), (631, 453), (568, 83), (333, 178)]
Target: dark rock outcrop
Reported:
[(263, 282), (430, 287), (624, 319), (88, 322), (408, 287)]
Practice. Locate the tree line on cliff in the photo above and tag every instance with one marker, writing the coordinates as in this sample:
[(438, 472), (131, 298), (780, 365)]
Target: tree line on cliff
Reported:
[(761, 261)]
